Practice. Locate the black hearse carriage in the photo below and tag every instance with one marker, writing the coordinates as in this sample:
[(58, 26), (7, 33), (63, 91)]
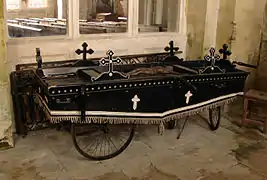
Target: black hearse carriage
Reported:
[(104, 96)]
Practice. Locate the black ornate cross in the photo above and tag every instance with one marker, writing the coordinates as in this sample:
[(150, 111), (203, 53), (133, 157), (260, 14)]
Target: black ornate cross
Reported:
[(110, 62), (225, 51), (171, 48), (212, 57), (84, 51)]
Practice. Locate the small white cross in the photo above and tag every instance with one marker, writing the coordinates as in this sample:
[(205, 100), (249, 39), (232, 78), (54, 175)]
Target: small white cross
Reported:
[(188, 95), (135, 101)]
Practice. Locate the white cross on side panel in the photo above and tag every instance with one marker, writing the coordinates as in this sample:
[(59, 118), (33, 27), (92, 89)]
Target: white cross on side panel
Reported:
[(135, 101), (188, 95)]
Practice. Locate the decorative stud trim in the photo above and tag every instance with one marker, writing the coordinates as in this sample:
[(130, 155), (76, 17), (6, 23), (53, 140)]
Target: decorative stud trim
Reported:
[(64, 90), (105, 87)]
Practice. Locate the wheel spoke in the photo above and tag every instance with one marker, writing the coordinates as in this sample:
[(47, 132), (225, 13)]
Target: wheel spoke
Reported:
[(109, 139), (109, 143)]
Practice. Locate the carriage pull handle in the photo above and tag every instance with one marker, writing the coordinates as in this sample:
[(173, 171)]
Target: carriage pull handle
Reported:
[(244, 64)]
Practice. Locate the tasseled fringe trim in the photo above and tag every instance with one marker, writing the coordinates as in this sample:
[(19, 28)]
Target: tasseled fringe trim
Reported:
[(195, 111), (129, 120)]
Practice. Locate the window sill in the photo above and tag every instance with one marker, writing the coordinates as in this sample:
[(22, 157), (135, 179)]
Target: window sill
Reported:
[(109, 36), (23, 40)]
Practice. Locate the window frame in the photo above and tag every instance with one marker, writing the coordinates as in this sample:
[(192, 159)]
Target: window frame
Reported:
[(73, 32)]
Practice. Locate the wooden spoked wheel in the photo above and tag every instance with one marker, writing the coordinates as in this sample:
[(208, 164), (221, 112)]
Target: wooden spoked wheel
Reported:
[(214, 118), (101, 141)]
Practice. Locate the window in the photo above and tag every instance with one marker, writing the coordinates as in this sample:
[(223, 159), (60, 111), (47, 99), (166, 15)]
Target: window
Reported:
[(70, 23), (50, 20), (158, 15), (37, 3), (103, 16), (12, 4), (34, 18)]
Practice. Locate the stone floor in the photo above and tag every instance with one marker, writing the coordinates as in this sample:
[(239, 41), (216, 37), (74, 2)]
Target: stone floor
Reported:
[(229, 153)]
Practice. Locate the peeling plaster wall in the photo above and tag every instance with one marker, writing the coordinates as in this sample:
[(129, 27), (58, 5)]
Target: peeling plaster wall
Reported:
[(247, 14), (249, 22), (6, 140), (249, 19), (225, 22), (261, 75), (196, 14)]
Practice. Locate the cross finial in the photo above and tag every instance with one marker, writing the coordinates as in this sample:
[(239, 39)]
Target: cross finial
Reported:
[(84, 51), (111, 74), (171, 48), (110, 62), (225, 51), (212, 57)]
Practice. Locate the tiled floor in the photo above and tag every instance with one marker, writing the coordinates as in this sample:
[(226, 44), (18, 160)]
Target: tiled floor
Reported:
[(200, 154)]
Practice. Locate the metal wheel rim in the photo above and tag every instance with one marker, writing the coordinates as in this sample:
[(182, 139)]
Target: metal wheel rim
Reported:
[(100, 141)]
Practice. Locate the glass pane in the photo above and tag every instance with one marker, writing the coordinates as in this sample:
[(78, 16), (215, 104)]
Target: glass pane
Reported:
[(13, 4), (37, 3), (158, 15), (35, 18), (103, 16)]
